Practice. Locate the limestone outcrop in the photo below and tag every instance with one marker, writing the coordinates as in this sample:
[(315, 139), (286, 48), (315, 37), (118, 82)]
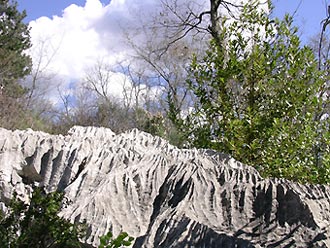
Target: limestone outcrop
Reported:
[(161, 195)]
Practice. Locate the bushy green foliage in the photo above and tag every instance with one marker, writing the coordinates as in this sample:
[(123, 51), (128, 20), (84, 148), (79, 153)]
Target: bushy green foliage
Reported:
[(260, 98), (108, 241), (37, 224)]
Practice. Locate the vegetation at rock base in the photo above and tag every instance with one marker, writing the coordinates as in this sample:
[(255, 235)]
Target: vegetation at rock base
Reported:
[(108, 241), (38, 224)]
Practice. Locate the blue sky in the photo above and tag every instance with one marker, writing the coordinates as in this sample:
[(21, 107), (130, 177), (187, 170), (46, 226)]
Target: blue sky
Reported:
[(309, 13), (49, 8)]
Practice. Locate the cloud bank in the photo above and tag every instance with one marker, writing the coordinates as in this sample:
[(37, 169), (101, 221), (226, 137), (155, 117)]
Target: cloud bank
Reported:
[(67, 46), (79, 37)]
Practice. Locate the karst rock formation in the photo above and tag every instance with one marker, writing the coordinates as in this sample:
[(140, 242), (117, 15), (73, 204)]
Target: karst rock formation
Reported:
[(162, 195)]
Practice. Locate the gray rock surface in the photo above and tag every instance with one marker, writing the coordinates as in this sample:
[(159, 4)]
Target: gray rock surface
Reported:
[(161, 195)]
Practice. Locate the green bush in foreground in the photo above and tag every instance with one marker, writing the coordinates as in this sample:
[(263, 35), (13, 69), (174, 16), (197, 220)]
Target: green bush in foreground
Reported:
[(108, 241), (38, 225)]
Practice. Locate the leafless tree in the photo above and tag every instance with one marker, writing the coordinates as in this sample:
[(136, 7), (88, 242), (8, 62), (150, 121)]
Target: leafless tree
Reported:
[(194, 18), (42, 81), (139, 92), (118, 105), (320, 44), (98, 80)]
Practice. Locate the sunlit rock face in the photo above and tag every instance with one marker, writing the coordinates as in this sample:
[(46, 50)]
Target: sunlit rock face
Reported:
[(161, 195)]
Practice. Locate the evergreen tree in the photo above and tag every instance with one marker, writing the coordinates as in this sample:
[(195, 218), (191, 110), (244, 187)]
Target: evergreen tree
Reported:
[(14, 41), (14, 65)]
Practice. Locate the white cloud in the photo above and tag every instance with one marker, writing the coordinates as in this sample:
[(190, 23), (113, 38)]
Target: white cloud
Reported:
[(85, 34), (73, 37), (69, 45)]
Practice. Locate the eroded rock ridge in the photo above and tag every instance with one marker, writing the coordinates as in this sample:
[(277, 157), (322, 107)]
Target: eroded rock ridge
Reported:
[(161, 195)]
